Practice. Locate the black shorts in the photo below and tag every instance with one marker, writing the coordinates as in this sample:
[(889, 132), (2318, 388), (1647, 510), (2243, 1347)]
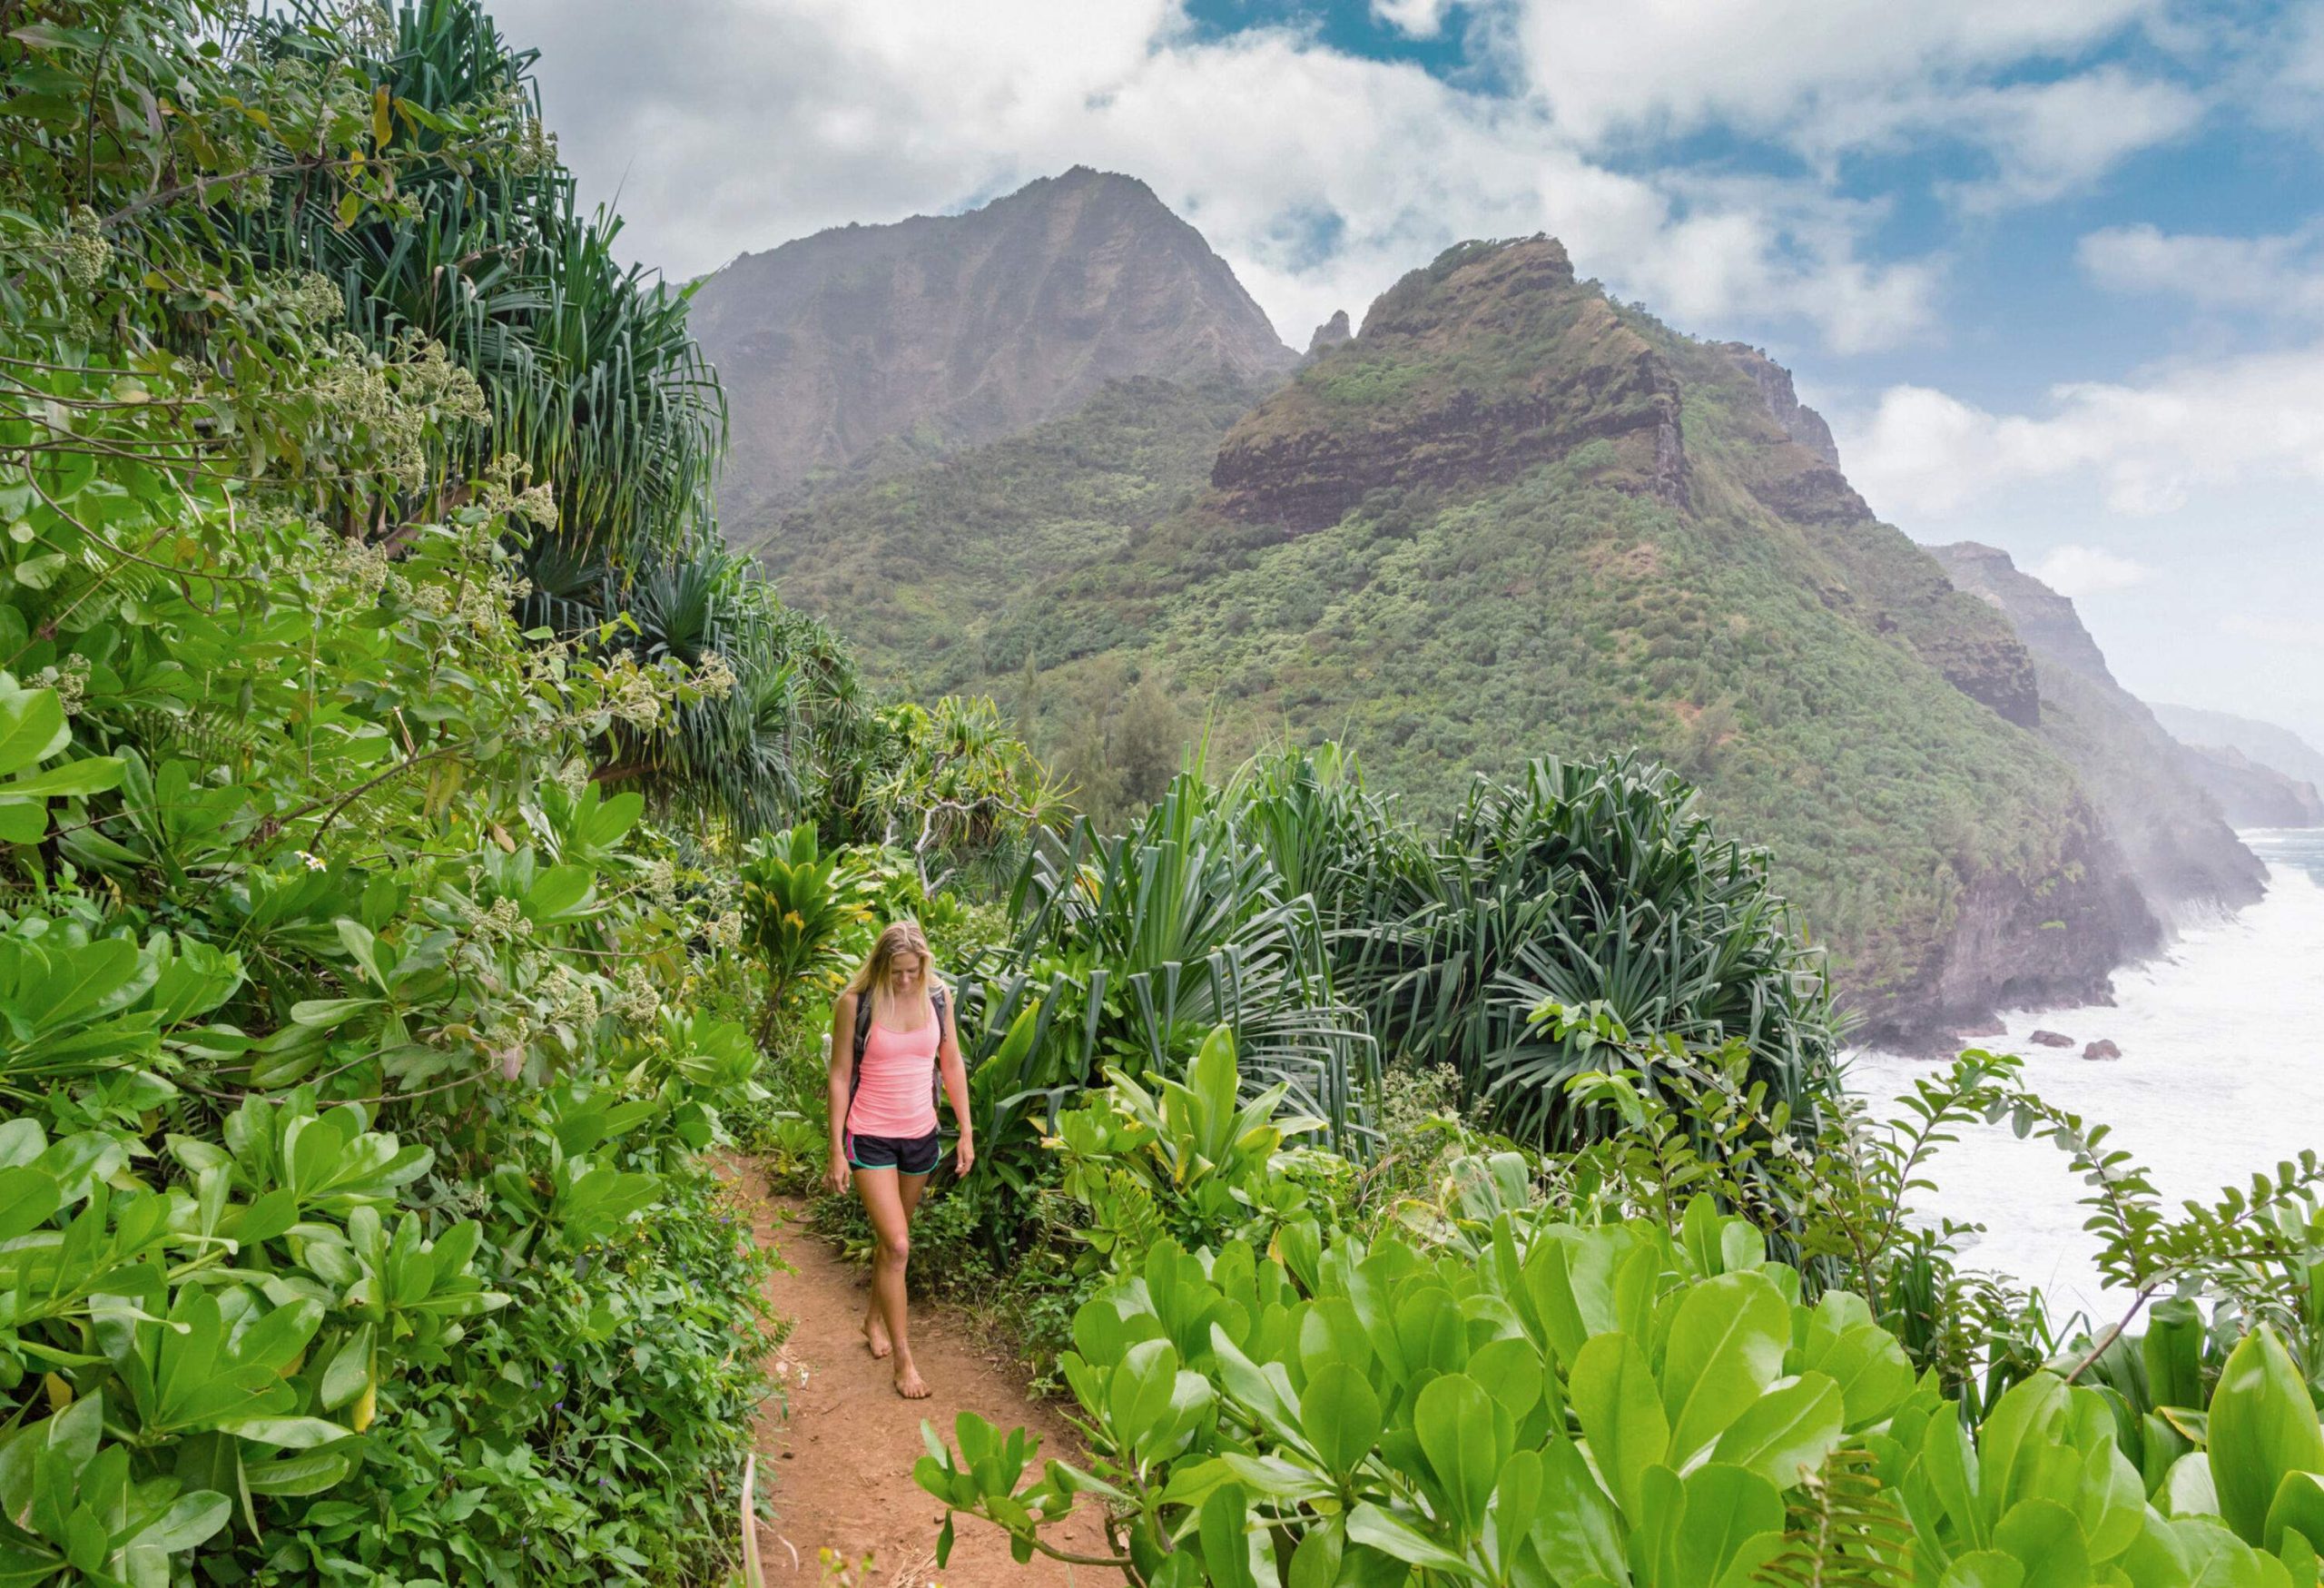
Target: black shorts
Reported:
[(911, 1155)]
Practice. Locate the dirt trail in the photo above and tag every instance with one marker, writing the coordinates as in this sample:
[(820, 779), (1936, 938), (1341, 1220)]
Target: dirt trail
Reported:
[(836, 1462)]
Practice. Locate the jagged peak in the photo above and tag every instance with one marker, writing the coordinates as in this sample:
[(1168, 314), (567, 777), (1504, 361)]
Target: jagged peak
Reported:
[(1801, 423), (1330, 334)]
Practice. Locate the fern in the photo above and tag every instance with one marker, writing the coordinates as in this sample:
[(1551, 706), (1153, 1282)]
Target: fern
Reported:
[(1844, 1530)]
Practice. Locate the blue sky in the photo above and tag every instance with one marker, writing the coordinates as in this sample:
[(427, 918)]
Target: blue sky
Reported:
[(2054, 269)]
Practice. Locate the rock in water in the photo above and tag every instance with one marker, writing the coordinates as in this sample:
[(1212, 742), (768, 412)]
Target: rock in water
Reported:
[(2101, 1048), (2052, 1039)]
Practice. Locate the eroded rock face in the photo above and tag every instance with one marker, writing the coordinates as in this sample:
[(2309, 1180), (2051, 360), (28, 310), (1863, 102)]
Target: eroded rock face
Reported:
[(1469, 372), (1331, 334), (945, 330), (2101, 1048)]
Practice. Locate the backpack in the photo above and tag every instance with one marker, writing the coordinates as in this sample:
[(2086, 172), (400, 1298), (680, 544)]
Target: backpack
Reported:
[(936, 998)]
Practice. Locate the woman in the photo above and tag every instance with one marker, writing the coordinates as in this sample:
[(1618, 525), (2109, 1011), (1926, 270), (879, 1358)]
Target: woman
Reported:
[(891, 1036)]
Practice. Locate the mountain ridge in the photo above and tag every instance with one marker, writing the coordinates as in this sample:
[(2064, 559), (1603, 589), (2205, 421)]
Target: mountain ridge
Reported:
[(931, 333), (2153, 797), (1511, 518)]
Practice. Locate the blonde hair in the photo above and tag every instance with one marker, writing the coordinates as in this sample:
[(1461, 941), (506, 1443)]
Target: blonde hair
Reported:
[(897, 938)]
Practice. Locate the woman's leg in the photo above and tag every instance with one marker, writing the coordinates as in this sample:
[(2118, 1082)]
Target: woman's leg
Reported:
[(908, 1189), (883, 1200)]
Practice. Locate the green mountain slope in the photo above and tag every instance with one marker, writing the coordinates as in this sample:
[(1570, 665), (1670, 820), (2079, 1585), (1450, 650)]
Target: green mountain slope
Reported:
[(1511, 518), (2148, 789), (912, 565)]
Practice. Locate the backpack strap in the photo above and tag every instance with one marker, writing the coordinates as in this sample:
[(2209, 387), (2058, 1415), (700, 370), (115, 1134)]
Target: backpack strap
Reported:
[(935, 1071)]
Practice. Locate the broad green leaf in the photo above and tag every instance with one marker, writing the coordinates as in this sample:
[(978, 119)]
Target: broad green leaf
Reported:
[(2044, 1537), (2298, 1506), (1725, 1507), (1789, 1432), (1341, 1416), (1613, 1392), (1727, 1345), (2262, 1425), (1368, 1523), (1453, 1421), (1983, 1568), (1576, 1520), (31, 725), (290, 1433)]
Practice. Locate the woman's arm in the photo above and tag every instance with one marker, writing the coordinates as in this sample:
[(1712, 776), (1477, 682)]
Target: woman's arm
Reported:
[(956, 1090), (841, 1079)]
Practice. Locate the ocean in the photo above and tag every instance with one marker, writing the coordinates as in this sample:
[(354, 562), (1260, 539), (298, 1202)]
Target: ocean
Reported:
[(2219, 1077)]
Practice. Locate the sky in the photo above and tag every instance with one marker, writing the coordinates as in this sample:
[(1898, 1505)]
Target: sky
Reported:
[(2052, 269)]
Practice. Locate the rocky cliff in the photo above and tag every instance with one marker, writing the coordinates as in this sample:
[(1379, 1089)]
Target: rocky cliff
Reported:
[(2151, 793), (1513, 517), (1440, 391), (2250, 794), (898, 344), (2263, 775), (1510, 517)]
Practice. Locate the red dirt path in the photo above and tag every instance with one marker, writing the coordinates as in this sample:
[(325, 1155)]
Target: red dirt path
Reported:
[(835, 1462)]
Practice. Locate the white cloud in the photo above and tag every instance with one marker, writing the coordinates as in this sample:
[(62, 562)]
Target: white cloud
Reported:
[(1419, 19), (1778, 66), (1319, 175), (2047, 139), (2086, 570), (2278, 274), (2148, 445)]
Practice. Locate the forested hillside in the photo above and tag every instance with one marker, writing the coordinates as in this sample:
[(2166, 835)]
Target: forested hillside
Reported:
[(1513, 518)]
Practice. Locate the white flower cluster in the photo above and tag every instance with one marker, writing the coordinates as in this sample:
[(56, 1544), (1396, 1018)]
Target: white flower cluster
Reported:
[(567, 996), (310, 297), (636, 699), (503, 922), (660, 883), (636, 1001), (716, 677), (70, 679)]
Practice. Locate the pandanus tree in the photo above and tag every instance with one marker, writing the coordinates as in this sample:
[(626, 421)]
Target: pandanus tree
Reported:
[(1129, 949), (1582, 884), (592, 382)]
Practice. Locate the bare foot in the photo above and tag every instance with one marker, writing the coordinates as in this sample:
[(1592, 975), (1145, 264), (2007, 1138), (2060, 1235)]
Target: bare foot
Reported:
[(875, 1338), (909, 1383)]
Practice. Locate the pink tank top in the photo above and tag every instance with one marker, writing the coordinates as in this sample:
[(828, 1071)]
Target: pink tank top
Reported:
[(895, 1092)]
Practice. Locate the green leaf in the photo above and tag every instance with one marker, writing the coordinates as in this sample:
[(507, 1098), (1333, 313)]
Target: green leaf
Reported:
[(1453, 1420), (32, 725), (72, 780), (1725, 1506), (2298, 1505), (1368, 1523), (290, 1433), (2262, 1426), (1613, 1392), (1227, 1540), (2044, 1537), (1727, 1345), (1787, 1432), (1341, 1415), (1983, 1568)]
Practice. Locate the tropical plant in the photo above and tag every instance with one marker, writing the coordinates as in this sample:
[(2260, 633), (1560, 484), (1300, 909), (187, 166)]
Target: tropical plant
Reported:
[(1135, 947), (1191, 1159), (1601, 1406), (801, 910)]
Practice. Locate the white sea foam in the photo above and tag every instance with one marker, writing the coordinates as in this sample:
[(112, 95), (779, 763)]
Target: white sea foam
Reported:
[(2220, 1074)]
